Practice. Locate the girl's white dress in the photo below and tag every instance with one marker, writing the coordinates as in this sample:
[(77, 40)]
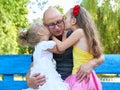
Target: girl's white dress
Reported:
[(44, 64)]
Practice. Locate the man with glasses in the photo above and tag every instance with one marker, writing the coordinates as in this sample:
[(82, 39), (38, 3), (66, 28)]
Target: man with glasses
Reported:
[(54, 21), (58, 23)]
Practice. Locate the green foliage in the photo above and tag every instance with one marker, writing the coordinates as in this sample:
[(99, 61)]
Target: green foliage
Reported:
[(107, 19), (12, 15)]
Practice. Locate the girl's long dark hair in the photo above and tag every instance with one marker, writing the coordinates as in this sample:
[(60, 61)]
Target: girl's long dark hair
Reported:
[(85, 21)]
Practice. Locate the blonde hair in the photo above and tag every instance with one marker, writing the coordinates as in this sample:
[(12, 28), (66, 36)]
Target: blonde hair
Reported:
[(30, 36), (85, 21)]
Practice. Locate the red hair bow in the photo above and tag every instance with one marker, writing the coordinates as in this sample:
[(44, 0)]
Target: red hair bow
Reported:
[(76, 10)]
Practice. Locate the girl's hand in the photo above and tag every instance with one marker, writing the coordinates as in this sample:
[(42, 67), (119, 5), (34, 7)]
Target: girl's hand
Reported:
[(53, 37), (64, 36)]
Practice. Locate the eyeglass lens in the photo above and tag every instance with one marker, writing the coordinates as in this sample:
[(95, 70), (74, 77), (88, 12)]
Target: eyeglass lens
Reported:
[(52, 25)]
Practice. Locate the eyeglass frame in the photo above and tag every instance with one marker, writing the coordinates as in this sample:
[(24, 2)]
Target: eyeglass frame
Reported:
[(53, 25)]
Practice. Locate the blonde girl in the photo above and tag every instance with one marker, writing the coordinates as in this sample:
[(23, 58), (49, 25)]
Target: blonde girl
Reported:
[(38, 36)]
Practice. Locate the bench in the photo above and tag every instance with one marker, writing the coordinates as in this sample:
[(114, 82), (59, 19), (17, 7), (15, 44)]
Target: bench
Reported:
[(13, 65)]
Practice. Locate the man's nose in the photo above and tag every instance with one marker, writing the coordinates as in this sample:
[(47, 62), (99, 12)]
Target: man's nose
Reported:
[(56, 26)]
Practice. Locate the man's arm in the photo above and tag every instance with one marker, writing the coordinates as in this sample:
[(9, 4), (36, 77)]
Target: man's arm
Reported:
[(85, 69), (36, 80)]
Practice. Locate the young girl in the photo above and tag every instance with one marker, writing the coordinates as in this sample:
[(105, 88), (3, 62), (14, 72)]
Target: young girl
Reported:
[(38, 35), (85, 46)]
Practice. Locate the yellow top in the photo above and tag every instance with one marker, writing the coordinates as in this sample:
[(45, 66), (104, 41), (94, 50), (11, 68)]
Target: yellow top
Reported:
[(79, 57)]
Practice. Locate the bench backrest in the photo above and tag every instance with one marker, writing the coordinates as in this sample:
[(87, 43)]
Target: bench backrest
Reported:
[(11, 65), (111, 65)]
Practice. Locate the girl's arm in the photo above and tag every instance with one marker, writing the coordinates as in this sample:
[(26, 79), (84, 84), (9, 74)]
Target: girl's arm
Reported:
[(55, 50), (71, 40)]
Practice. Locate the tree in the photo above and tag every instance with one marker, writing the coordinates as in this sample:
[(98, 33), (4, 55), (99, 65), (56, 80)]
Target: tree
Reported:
[(107, 18), (13, 15)]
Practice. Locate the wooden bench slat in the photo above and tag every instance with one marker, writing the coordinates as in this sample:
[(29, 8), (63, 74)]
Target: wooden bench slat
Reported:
[(110, 86), (14, 64), (8, 77), (110, 65), (16, 85)]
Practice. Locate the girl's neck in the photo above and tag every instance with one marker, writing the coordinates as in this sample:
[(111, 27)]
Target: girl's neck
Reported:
[(74, 28)]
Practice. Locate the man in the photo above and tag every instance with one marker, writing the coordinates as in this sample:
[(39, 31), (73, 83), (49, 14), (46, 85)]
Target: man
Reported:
[(53, 20)]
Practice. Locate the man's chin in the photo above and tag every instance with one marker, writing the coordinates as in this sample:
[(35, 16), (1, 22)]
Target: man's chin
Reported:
[(58, 34)]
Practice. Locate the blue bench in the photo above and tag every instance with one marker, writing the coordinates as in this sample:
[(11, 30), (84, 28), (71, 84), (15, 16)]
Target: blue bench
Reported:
[(11, 65)]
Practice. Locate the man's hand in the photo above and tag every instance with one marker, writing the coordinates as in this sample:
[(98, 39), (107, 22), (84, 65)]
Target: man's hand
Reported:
[(36, 80), (84, 71)]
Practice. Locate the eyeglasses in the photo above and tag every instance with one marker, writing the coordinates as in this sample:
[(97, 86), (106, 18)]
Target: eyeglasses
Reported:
[(53, 25)]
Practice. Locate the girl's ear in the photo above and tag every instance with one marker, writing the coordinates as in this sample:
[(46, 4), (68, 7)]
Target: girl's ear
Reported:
[(73, 20), (40, 33)]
